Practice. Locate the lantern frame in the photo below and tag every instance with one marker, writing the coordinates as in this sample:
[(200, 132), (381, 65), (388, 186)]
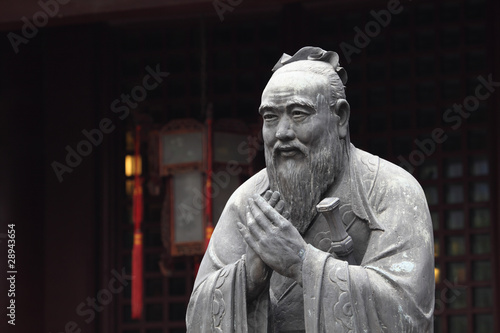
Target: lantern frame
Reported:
[(187, 247), (231, 127), (179, 127), (235, 127)]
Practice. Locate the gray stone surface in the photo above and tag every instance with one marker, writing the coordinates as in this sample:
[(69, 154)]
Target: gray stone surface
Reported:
[(273, 264)]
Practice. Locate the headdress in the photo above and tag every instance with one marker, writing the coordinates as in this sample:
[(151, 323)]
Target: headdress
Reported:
[(315, 54)]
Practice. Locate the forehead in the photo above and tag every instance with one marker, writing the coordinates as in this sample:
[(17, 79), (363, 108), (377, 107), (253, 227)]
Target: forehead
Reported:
[(287, 84)]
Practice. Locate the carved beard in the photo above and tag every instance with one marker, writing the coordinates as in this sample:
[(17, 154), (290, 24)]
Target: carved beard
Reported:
[(303, 180)]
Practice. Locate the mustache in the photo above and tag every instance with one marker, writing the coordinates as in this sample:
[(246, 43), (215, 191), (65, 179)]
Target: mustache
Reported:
[(278, 147)]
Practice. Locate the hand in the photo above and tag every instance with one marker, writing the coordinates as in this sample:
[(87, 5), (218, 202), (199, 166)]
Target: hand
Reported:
[(257, 272), (274, 239)]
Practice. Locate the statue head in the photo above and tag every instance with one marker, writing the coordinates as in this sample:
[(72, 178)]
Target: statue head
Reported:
[(305, 130), (319, 61)]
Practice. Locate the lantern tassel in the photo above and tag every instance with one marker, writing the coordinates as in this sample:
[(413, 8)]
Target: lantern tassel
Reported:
[(137, 276)]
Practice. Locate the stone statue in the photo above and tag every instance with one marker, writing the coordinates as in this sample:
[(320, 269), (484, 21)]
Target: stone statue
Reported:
[(276, 264)]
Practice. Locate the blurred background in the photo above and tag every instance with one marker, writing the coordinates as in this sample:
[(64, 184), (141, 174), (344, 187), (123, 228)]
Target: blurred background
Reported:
[(78, 77)]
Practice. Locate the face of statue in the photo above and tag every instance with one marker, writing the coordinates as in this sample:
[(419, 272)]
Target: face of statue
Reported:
[(295, 112), (302, 146)]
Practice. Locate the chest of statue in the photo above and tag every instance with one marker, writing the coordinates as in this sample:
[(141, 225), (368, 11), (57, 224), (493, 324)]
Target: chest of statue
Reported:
[(286, 296)]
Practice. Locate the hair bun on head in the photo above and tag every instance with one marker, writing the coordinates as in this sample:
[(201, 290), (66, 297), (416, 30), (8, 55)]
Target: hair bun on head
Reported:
[(315, 54)]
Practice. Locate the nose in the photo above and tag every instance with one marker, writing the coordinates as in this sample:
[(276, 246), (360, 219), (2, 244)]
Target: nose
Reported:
[(285, 131)]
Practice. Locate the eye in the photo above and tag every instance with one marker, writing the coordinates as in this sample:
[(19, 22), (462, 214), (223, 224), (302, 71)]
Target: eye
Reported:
[(269, 117), (299, 114)]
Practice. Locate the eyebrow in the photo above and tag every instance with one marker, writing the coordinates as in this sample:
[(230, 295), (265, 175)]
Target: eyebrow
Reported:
[(264, 107), (292, 102)]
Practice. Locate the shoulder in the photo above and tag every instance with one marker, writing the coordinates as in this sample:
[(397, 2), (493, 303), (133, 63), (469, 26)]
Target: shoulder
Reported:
[(398, 180), (386, 182), (399, 204), (257, 184)]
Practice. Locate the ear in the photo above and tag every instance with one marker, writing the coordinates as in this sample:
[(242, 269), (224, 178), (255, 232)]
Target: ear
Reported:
[(343, 111)]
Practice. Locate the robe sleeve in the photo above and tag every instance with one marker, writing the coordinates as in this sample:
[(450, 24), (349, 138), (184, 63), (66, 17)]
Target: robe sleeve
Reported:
[(218, 302), (392, 290)]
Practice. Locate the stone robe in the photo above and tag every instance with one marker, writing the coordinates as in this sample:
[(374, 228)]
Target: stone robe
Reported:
[(390, 290)]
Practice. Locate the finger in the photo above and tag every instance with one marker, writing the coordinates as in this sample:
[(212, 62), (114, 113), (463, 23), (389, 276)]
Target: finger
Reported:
[(245, 233), (258, 216), (280, 206), (268, 195), (286, 215), (254, 227), (269, 212), (275, 197)]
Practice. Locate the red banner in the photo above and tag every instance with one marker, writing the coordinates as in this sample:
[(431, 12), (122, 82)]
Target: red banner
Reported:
[(137, 213)]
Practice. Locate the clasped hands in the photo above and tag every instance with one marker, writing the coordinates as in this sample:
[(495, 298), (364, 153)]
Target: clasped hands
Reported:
[(273, 242)]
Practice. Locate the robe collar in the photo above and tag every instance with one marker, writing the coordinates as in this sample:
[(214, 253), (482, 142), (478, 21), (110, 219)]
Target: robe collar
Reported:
[(364, 169)]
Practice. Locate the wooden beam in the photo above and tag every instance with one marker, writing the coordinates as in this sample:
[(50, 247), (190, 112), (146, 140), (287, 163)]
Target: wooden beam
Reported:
[(68, 12)]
